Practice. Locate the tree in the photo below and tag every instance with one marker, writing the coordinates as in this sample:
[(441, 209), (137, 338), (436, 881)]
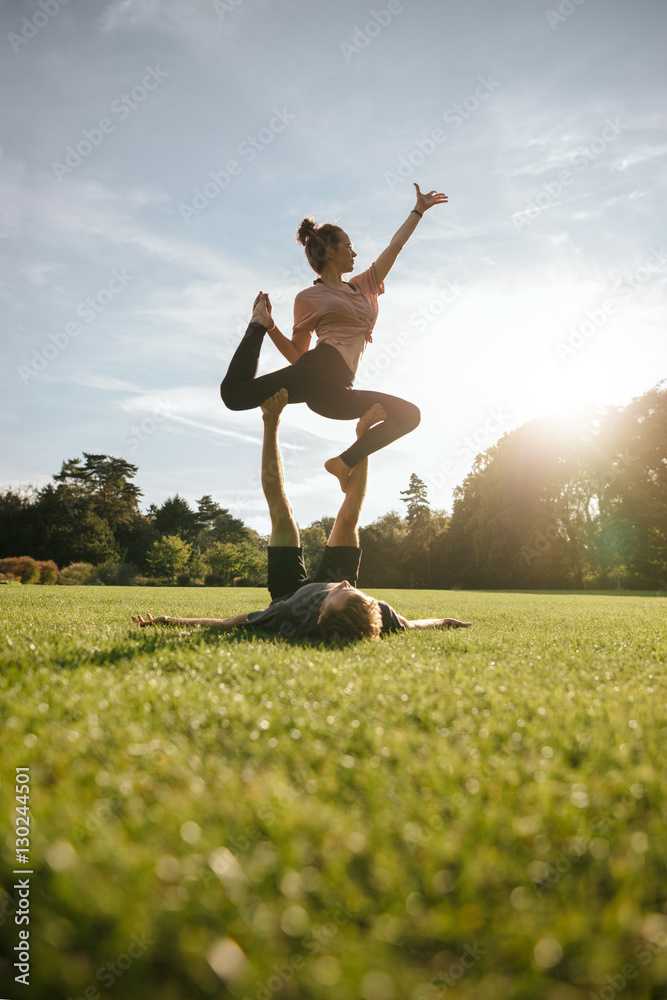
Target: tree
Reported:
[(70, 529), (416, 499), (424, 527), (17, 522), (325, 523), (568, 503), (633, 484), (313, 542), (174, 517), (382, 543), (245, 559), (103, 481), (215, 523), (169, 556)]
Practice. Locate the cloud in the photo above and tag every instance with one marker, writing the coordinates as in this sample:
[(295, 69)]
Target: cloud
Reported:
[(640, 154), (130, 14), (40, 272), (105, 383)]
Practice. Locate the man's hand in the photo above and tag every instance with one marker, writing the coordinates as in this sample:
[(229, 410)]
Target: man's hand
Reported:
[(438, 623), (149, 620)]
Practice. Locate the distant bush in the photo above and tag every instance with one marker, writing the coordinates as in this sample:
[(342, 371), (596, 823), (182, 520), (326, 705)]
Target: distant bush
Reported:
[(77, 574), (24, 568), (183, 580), (213, 580), (48, 572), (115, 574)]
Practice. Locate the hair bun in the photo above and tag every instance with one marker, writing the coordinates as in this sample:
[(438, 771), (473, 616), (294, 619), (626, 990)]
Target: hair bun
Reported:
[(307, 229)]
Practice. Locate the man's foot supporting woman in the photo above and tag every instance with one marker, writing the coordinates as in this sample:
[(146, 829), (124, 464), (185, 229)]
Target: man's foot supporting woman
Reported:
[(336, 466), (273, 406)]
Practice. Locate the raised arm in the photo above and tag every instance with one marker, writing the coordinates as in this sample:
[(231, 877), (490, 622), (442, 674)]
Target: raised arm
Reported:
[(387, 258)]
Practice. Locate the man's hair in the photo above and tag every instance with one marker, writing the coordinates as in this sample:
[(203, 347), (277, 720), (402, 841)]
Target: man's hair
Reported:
[(360, 618)]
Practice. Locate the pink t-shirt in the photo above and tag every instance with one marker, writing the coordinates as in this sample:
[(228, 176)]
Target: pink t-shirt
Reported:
[(342, 318)]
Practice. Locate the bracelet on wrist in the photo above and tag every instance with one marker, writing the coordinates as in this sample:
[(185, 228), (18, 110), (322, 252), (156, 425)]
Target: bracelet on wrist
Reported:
[(420, 214)]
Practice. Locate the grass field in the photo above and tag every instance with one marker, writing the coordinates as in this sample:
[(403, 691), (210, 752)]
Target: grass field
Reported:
[(477, 813)]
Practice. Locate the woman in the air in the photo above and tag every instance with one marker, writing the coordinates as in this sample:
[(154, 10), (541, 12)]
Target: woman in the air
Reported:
[(342, 315)]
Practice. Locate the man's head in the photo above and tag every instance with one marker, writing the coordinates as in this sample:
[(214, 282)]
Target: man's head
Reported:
[(347, 614)]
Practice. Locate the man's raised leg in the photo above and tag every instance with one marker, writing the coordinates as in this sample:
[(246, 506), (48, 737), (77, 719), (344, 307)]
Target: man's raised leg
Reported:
[(284, 530), (346, 526)]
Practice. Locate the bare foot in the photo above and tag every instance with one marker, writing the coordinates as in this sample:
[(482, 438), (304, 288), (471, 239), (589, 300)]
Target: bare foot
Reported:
[(370, 417), (273, 406), (261, 311), (338, 468)]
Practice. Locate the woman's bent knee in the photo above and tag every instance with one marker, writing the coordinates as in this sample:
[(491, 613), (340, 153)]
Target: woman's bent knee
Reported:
[(413, 418), (230, 397)]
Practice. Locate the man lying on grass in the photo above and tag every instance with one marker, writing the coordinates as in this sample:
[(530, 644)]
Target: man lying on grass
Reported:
[(329, 606)]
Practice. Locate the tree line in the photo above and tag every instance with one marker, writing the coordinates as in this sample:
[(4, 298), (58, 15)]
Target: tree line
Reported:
[(551, 505)]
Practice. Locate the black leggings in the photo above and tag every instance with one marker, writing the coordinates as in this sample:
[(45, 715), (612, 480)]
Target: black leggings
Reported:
[(320, 379)]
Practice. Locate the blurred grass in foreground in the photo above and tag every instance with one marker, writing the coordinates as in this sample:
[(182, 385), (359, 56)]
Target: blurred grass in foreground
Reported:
[(477, 813)]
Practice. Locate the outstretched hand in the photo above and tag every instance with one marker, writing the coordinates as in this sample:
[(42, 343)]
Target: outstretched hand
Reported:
[(453, 623), (428, 200), (149, 620)]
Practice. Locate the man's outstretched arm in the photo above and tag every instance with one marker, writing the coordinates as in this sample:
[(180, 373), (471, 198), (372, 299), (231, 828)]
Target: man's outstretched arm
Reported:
[(437, 623), (210, 622)]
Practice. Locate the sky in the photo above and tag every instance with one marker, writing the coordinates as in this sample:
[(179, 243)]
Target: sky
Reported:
[(157, 156)]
